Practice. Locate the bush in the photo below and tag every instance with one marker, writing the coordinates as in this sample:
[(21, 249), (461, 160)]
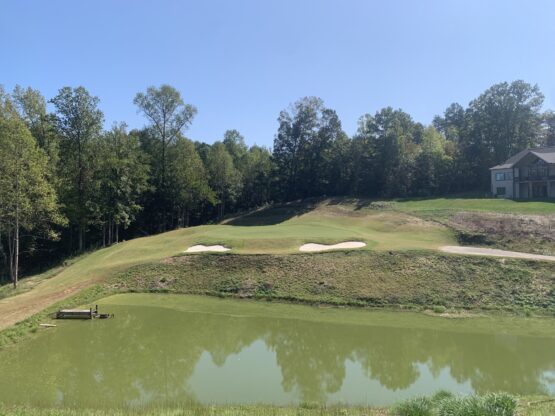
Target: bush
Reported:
[(441, 395), (499, 404), (493, 404), (439, 309), (419, 406)]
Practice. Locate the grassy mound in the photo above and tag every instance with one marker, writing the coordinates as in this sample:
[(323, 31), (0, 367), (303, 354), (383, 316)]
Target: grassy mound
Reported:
[(422, 278)]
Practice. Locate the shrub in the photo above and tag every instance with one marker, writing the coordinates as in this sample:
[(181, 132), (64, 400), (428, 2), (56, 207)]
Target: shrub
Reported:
[(499, 404), (419, 406), (439, 309), (441, 395), (493, 404)]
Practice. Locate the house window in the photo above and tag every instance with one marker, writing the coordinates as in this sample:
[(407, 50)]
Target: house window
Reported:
[(501, 190), (500, 177)]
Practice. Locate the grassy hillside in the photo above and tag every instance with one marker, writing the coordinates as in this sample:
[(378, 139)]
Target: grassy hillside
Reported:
[(420, 279), (384, 226)]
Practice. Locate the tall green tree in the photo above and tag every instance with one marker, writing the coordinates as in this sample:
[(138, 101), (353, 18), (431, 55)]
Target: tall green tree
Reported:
[(225, 180), (189, 184), (502, 121), (432, 164), (120, 180), (303, 148), (234, 143), (387, 141), (548, 128), (168, 116), (256, 177), (31, 106), (28, 201), (79, 124)]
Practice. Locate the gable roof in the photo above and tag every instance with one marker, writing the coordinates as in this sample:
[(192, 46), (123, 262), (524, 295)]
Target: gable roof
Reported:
[(547, 154)]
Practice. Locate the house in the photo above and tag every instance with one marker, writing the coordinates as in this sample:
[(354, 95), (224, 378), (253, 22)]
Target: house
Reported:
[(528, 174)]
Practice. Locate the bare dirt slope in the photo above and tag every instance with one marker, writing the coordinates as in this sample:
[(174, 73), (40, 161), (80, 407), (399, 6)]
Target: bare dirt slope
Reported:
[(480, 251)]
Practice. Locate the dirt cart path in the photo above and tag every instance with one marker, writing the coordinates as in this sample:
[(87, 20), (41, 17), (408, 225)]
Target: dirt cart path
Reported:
[(479, 251)]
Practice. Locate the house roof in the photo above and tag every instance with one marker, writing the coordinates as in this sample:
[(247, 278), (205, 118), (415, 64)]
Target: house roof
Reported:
[(547, 154)]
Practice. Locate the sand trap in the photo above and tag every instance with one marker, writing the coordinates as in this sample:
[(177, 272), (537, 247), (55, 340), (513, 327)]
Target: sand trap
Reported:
[(478, 251), (324, 247), (200, 248)]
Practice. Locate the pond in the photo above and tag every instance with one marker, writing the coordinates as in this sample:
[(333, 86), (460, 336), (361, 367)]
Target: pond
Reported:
[(171, 349)]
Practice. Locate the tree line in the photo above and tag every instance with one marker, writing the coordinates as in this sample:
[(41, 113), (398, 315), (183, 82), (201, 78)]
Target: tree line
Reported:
[(68, 185)]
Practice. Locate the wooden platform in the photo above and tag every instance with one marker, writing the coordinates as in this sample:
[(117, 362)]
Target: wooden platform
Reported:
[(75, 314), (82, 314)]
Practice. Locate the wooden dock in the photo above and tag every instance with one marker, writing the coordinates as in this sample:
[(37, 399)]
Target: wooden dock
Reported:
[(75, 314), (82, 314)]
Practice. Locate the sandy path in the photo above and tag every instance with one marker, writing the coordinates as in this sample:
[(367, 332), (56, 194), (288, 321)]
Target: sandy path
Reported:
[(19, 307), (200, 248), (478, 251), (312, 247)]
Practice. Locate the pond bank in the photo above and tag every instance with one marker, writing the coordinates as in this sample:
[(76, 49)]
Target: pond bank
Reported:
[(527, 406)]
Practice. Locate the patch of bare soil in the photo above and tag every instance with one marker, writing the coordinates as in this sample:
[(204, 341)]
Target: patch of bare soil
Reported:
[(17, 308), (493, 252), (530, 233)]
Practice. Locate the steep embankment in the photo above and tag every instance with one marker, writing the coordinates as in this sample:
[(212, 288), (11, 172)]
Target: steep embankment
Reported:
[(414, 278)]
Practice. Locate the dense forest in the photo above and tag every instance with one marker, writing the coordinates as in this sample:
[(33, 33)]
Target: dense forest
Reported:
[(68, 185)]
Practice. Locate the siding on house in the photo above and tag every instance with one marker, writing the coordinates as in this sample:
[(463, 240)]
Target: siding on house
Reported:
[(502, 183)]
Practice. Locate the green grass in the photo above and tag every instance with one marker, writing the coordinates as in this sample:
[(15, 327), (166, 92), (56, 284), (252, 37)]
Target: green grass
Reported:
[(526, 406), (499, 205), (422, 279), (253, 410)]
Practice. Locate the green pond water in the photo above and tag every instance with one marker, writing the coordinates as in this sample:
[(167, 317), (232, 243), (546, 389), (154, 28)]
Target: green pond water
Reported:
[(166, 350)]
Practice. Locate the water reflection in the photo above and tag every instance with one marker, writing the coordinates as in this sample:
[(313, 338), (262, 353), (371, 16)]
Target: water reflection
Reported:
[(154, 355)]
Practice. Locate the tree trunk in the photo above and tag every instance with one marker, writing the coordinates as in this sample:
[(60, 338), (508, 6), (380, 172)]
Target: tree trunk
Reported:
[(16, 260), (81, 231), (104, 234), (110, 232), (11, 255), (117, 233)]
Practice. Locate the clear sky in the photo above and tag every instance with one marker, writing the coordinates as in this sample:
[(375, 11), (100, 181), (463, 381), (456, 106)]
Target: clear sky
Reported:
[(242, 61)]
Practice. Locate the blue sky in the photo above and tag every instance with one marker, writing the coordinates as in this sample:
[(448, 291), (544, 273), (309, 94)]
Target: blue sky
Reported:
[(242, 61)]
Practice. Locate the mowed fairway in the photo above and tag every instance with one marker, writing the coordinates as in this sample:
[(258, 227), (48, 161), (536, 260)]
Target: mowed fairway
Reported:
[(277, 230)]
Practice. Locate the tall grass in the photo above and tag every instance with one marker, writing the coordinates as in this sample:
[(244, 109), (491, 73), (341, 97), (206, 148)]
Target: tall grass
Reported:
[(445, 404)]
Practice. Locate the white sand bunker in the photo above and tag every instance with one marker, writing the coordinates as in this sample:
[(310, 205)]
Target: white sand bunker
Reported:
[(324, 247), (200, 248)]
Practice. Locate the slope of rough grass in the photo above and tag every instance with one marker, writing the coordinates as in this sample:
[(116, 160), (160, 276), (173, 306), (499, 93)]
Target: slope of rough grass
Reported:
[(422, 279)]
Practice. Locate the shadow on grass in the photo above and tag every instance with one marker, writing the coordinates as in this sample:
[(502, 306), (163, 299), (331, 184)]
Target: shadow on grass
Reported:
[(274, 214)]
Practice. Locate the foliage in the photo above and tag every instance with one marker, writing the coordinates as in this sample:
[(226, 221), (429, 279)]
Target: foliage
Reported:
[(418, 406), (79, 124), (189, 187), (225, 179), (492, 404), (120, 179), (304, 149), (28, 200)]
